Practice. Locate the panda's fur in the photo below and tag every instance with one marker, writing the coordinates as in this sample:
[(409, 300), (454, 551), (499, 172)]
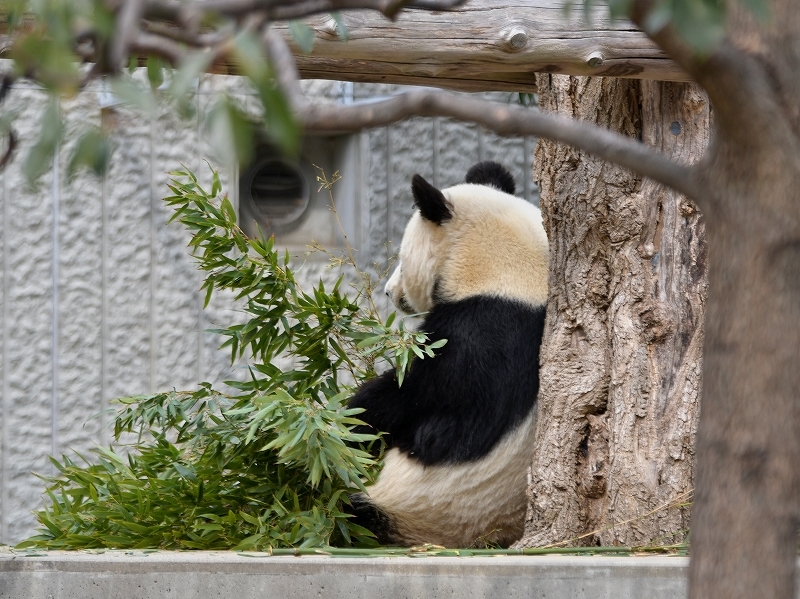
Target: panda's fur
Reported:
[(459, 429)]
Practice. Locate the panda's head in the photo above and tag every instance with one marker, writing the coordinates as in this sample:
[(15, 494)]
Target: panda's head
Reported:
[(470, 239)]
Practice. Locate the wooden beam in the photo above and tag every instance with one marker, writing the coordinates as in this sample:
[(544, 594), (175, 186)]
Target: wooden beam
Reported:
[(484, 45)]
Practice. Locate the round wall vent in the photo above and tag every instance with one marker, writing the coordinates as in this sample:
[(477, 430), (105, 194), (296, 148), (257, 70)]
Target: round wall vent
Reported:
[(277, 193)]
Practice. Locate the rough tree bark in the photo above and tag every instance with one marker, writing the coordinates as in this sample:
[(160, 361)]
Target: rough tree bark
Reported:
[(621, 361)]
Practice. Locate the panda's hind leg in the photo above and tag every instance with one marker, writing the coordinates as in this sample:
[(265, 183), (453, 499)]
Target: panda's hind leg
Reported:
[(367, 515)]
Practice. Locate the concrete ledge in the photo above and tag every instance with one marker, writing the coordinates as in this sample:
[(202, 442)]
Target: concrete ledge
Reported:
[(183, 575)]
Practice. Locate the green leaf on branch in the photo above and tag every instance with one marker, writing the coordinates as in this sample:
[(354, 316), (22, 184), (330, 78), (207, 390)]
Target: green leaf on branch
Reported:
[(230, 131), (759, 8), (281, 126), (155, 71), (92, 150), (341, 26), (701, 23), (140, 97), (186, 79), (303, 35), (51, 58), (41, 155)]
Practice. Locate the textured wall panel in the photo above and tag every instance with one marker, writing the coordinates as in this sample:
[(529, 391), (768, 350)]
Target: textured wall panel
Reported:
[(176, 311), (378, 197), (129, 249), (29, 338), (80, 290), (412, 147), (5, 411), (459, 148)]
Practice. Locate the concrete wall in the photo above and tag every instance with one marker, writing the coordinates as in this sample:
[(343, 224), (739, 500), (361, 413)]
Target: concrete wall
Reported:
[(99, 296), (187, 575)]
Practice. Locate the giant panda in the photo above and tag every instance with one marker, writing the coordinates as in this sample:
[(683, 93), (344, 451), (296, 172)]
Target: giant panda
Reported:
[(459, 430)]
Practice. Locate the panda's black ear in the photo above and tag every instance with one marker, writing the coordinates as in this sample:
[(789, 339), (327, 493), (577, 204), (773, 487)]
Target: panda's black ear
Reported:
[(492, 173), (431, 202)]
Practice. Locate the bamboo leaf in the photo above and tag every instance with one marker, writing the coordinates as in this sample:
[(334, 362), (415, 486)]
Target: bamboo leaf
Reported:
[(268, 466)]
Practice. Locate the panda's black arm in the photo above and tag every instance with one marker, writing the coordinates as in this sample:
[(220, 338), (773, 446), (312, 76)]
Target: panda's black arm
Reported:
[(385, 409)]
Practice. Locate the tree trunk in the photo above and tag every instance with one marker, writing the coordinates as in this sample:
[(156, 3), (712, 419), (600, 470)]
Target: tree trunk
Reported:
[(744, 534), (621, 359)]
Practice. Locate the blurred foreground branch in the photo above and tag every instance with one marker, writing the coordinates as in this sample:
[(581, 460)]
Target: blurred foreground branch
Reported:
[(48, 42)]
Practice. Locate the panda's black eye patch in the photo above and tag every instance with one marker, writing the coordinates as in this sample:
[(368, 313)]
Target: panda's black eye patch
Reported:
[(404, 305)]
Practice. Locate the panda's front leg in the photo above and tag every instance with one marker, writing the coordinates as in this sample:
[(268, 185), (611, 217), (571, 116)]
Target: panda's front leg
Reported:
[(384, 411)]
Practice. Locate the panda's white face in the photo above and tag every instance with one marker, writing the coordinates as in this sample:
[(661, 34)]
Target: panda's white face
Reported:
[(490, 243), (412, 284), (394, 289)]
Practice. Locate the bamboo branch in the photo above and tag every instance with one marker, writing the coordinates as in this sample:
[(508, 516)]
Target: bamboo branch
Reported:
[(198, 40), (285, 68)]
